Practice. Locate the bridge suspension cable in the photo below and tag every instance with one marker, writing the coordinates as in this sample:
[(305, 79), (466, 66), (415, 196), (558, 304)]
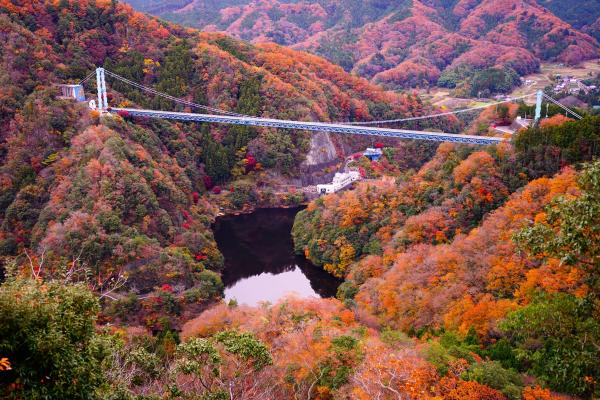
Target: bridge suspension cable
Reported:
[(389, 121), (358, 123), (567, 109), (87, 78), (172, 98), (313, 126), (237, 119), (220, 111), (348, 128)]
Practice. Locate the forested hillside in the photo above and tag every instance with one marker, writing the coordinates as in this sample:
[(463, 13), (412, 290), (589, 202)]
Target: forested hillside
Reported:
[(470, 273), (130, 200), (409, 43), (448, 248), (582, 15)]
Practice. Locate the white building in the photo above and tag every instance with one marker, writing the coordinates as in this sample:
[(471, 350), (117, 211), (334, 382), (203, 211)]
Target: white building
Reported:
[(373, 154), (340, 181), (72, 92)]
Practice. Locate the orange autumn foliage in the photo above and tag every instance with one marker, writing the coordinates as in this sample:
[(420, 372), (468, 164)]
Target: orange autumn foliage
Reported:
[(301, 335), (465, 314), (537, 393), (386, 374), (476, 163), (426, 286), (401, 213), (468, 390), (555, 120), (5, 364), (484, 34)]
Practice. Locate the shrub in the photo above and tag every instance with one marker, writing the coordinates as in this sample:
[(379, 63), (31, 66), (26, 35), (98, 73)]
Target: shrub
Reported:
[(448, 349), (555, 337), (494, 375), (210, 284), (47, 331)]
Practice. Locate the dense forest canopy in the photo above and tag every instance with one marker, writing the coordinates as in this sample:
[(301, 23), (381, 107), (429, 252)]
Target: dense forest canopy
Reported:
[(130, 200), (448, 248)]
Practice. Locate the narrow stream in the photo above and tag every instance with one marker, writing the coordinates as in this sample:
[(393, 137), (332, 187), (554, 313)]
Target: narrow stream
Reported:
[(260, 264)]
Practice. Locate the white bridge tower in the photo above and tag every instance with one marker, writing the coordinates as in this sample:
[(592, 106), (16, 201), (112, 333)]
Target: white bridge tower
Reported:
[(538, 106), (101, 84)]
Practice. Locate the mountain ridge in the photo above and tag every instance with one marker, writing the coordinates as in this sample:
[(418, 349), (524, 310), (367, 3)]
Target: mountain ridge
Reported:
[(408, 43)]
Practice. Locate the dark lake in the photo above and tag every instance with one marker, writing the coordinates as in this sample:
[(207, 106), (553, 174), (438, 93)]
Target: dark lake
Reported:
[(260, 264)]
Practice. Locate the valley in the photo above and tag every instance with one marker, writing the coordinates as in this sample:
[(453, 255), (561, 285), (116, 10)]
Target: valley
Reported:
[(163, 235), (443, 97), (408, 43), (587, 70)]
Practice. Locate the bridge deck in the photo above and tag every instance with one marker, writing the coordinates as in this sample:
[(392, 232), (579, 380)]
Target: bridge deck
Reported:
[(314, 126)]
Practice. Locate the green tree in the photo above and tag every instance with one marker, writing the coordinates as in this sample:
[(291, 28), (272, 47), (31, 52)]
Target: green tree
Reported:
[(243, 193), (543, 151), (493, 80), (249, 103), (494, 375), (131, 67), (344, 354), (557, 338), (214, 156), (223, 366), (176, 74), (47, 331), (571, 231)]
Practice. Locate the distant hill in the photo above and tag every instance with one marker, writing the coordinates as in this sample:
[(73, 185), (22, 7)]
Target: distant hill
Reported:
[(158, 6), (594, 29), (409, 42), (580, 13)]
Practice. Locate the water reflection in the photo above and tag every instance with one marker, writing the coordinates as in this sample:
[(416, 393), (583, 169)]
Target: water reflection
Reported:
[(260, 264)]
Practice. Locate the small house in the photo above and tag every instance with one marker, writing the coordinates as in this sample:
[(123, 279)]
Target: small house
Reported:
[(373, 154)]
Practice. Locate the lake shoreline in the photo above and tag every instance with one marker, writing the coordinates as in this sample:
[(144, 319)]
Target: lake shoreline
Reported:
[(260, 259)]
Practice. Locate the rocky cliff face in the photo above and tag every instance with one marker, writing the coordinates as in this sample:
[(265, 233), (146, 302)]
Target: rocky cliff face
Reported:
[(322, 150)]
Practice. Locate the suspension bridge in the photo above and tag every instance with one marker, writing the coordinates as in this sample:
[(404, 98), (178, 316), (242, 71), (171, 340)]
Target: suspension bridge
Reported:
[(219, 116)]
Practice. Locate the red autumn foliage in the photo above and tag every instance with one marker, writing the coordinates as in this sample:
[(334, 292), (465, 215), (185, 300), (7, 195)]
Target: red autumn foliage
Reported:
[(510, 33), (428, 285), (250, 162), (208, 182)]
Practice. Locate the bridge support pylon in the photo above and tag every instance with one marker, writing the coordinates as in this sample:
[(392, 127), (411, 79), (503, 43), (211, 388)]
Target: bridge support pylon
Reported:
[(538, 106), (101, 85)]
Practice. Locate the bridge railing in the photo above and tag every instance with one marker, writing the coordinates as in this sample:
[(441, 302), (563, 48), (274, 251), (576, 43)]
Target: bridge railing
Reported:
[(312, 126)]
